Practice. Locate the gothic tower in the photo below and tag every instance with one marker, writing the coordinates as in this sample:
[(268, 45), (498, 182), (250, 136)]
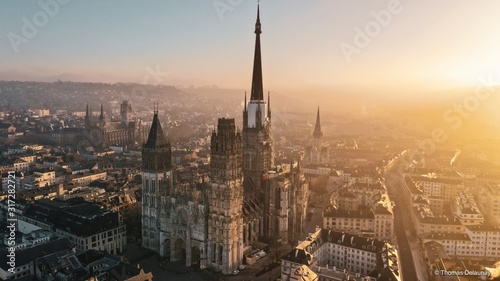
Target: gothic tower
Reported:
[(257, 139), (88, 122), (125, 112), (156, 184), (102, 119), (225, 219), (317, 134)]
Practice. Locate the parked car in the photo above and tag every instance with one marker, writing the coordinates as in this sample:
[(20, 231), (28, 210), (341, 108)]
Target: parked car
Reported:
[(235, 272), (241, 267)]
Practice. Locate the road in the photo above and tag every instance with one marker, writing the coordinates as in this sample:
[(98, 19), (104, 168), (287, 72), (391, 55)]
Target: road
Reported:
[(393, 182), (406, 258)]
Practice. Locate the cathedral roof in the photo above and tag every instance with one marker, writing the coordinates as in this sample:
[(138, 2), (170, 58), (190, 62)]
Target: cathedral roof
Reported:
[(114, 126), (156, 137)]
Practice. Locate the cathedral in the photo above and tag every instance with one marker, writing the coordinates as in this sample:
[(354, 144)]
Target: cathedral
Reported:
[(247, 199), (120, 133)]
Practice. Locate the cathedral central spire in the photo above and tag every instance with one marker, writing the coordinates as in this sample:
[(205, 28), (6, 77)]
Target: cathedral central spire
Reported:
[(257, 87), (317, 128), (257, 142)]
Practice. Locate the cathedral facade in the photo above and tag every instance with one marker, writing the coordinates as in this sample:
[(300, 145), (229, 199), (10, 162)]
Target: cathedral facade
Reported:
[(174, 218), (200, 223), (247, 199)]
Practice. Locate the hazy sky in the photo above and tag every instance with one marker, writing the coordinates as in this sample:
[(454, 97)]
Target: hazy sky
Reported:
[(425, 44)]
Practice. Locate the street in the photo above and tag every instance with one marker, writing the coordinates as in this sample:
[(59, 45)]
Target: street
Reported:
[(405, 254), (393, 182)]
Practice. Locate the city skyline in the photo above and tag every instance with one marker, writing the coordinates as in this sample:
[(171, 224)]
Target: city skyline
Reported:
[(405, 47), (398, 177)]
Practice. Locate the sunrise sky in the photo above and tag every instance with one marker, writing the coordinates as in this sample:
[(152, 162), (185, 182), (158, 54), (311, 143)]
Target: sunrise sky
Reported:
[(426, 45)]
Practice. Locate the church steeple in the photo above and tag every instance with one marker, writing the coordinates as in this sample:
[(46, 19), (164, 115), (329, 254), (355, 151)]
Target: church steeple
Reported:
[(257, 140), (156, 152), (317, 128), (156, 138), (88, 123), (102, 121), (257, 87), (157, 186)]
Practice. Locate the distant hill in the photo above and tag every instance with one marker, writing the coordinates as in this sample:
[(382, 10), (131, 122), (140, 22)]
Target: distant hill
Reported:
[(421, 113)]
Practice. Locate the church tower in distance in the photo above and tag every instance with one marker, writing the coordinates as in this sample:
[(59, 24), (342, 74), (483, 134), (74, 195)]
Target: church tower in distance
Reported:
[(317, 134), (125, 112)]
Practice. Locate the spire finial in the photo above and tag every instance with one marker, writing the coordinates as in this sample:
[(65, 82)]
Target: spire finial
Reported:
[(257, 23), (258, 11)]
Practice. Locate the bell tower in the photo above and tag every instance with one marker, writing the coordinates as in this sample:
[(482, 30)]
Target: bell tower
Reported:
[(225, 234), (156, 183), (125, 112)]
